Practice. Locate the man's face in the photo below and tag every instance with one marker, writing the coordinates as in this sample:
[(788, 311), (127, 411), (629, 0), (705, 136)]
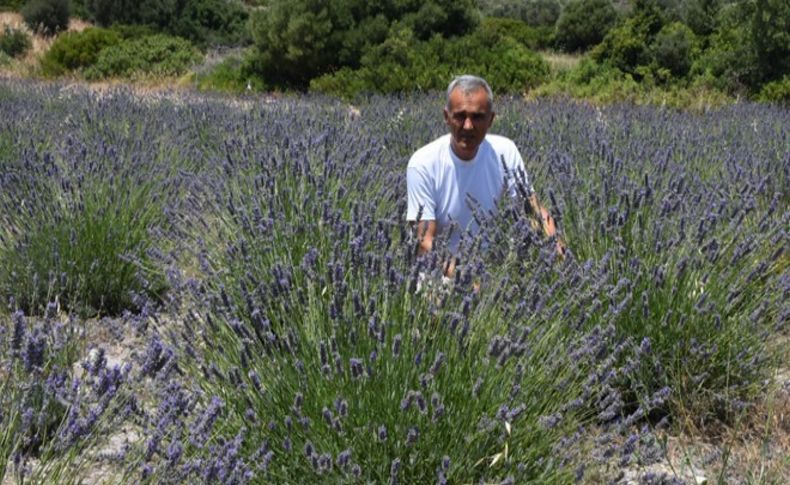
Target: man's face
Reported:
[(468, 117)]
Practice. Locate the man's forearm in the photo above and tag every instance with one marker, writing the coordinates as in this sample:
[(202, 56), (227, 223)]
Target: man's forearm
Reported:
[(542, 219)]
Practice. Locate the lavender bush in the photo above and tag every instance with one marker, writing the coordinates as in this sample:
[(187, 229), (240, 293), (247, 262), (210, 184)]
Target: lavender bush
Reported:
[(83, 208), (50, 416), (297, 341)]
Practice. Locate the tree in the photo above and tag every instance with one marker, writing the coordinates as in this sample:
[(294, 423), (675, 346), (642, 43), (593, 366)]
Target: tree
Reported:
[(584, 23), (674, 47), (46, 16), (701, 15), (299, 40), (535, 13), (770, 34)]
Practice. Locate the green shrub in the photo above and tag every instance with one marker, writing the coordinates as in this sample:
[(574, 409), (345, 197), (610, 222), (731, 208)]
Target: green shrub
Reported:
[(529, 37), (47, 16), (402, 64), (536, 13), (14, 42), (298, 41), (730, 61), (625, 46), (674, 48), (776, 92), (204, 22), (232, 75), (79, 8), (157, 55), (13, 5), (132, 31), (584, 23), (77, 50), (212, 22)]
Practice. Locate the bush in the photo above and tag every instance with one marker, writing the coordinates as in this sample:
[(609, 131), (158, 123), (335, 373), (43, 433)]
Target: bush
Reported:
[(297, 41), (232, 75), (47, 16), (85, 235), (584, 23), (110, 12), (77, 50), (776, 92), (133, 31), (157, 55), (14, 42), (529, 37), (674, 48), (626, 46), (730, 61), (536, 13), (13, 5), (211, 22), (403, 63), (204, 22)]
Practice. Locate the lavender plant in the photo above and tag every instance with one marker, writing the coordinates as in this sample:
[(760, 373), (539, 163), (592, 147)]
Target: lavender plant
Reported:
[(694, 236), (49, 415), (82, 214), (296, 344)]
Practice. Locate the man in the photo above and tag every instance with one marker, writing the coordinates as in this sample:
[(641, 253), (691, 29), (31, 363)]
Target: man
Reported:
[(465, 163)]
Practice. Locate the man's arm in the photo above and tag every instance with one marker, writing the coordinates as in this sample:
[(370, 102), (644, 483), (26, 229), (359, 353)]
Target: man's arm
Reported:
[(426, 232), (541, 219)]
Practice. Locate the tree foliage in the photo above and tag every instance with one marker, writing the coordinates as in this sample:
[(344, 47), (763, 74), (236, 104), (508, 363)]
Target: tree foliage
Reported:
[(47, 16), (674, 48), (535, 13), (299, 40), (403, 63), (77, 50), (584, 23), (205, 22), (155, 55), (14, 42)]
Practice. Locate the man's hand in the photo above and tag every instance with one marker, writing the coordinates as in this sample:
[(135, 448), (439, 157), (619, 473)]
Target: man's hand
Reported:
[(541, 219), (426, 231)]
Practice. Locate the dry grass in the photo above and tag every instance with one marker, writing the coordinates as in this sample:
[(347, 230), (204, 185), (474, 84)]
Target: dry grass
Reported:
[(560, 62), (28, 64), (753, 450)]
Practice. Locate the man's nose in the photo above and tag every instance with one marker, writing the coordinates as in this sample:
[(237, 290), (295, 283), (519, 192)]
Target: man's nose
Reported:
[(468, 125)]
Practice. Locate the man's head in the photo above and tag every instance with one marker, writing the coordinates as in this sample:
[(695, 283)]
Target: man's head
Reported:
[(468, 113)]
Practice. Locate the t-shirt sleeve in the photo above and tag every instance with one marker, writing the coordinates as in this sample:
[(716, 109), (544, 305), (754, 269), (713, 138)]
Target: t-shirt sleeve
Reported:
[(420, 191), (518, 175)]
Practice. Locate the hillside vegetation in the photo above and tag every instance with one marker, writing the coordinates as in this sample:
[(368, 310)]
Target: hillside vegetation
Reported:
[(643, 50)]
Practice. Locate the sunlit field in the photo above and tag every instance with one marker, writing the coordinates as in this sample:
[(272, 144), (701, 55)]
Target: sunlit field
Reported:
[(251, 258)]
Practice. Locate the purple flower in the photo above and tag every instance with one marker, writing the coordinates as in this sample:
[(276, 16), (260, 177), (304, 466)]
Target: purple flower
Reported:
[(412, 436), (356, 367), (437, 363), (343, 459), (394, 471)]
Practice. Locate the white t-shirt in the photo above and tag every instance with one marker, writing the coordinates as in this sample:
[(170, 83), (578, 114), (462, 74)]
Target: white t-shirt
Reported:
[(439, 182)]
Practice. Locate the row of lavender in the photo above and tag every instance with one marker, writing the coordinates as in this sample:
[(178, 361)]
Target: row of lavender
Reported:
[(261, 249)]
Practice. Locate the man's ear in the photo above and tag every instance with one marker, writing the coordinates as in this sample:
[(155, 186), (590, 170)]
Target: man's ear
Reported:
[(446, 115), (491, 121)]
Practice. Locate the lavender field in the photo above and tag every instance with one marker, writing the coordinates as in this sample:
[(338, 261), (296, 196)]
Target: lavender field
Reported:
[(212, 290)]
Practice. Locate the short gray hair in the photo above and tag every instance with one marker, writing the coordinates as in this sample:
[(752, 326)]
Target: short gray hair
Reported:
[(470, 84)]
